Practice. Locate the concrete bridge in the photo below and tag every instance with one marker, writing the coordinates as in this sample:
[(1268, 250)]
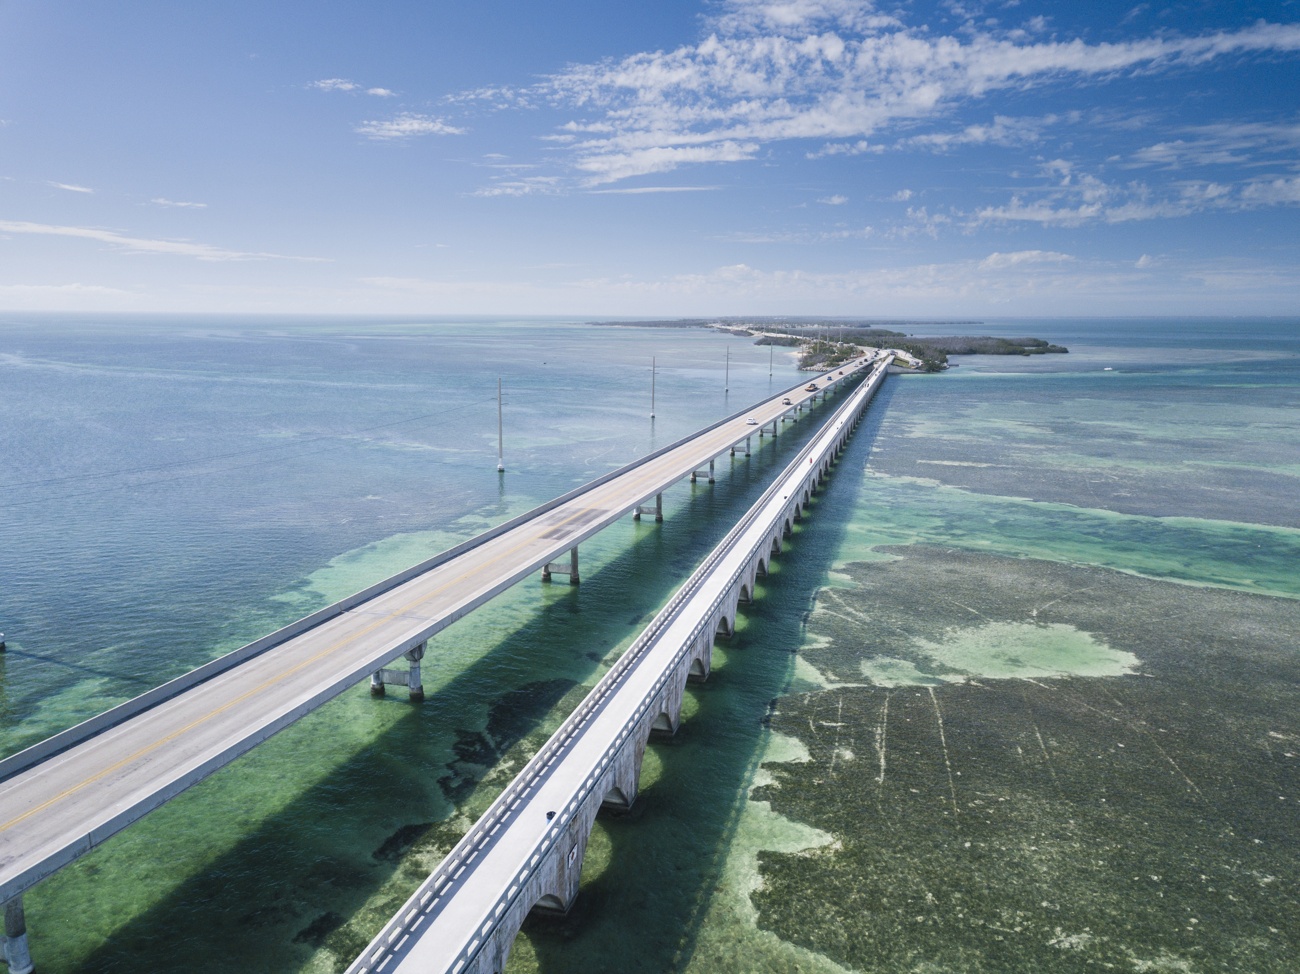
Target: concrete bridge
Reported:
[(526, 851), (64, 796)]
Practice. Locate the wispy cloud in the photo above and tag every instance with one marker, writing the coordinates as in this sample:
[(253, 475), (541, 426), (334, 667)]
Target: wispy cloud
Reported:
[(160, 201), (1019, 258), (1232, 144), (141, 245), (861, 147), (1003, 130), (334, 84), (406, 125), (637, 190), (344, 84), (836, 70), (29, 290), (799, 237), (836, 200), (1072, 198), (527, 186), (71, 187)]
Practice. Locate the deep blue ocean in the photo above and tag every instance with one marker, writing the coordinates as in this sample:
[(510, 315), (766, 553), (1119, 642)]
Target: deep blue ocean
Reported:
[(173, 487)]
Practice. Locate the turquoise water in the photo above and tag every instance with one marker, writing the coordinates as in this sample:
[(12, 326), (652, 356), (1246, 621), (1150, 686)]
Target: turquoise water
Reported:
[(173, 488)]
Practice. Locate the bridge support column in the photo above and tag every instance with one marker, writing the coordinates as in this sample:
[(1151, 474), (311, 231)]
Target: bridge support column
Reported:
[(556, 566), (657, 510), (17, 956), (747, 446), (696, 473), (414, 686), (409, 677)]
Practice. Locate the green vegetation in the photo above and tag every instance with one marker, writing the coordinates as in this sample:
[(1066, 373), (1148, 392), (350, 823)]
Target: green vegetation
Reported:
[(819, 356)]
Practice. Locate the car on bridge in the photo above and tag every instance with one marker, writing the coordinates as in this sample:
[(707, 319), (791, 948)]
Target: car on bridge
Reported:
[(810, 387), (786, 401)]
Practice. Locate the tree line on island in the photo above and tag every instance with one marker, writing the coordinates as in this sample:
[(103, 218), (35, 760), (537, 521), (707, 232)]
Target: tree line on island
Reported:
[(825, 343)]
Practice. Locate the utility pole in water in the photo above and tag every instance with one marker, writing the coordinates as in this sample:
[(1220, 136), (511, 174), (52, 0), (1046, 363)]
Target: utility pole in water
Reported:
[(501, 454), (652, 387), (726, 381), (771, 354)]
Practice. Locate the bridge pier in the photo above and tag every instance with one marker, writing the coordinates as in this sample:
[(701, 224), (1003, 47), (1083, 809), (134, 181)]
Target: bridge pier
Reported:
[(657, 510), (622, 791), (17, 955), (409, 677), (696, 473), (557, 567)]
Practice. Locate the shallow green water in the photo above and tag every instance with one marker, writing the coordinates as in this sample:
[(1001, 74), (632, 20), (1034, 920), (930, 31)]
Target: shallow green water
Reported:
[(1076, 589)]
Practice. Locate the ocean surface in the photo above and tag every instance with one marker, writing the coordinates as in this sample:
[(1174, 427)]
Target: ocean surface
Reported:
[(1021, 694)]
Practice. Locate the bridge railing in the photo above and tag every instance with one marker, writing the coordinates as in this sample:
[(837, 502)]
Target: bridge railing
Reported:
[(538, 768)]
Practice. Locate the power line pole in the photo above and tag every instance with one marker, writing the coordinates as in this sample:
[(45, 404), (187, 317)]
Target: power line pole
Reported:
[(652, 387), (501, 453)]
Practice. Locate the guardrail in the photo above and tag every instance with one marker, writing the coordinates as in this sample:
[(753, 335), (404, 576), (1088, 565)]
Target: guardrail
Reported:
[(535, 772)]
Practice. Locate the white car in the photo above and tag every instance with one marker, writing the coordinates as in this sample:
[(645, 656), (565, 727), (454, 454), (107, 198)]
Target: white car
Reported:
[(751, 421)]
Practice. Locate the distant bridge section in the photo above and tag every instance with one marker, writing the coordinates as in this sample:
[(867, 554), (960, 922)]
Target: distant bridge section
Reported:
[(526, 852)]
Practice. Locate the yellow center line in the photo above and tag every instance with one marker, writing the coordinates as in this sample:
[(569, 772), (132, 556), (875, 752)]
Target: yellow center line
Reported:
[(333, 647)]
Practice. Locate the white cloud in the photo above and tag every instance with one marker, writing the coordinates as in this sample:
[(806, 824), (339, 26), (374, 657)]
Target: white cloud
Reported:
[(902, 196), (29, 290), (160, 201), (613, 166), (996, 261), (1074, 198), (1003, 130), (71, 187), (528, 186), (835, 70), (836, 200), (406, 125), (858, 148), (1271, 192), (344, 84), (799, 237), (1223, 144), (636, 190), (1145, 261), (141, 245), (334, 84)]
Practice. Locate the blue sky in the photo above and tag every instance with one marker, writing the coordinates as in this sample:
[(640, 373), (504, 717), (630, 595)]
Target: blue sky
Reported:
[(672, 158)]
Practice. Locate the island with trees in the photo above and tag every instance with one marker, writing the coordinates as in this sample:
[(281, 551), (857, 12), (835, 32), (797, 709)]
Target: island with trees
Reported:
[(825, 343)]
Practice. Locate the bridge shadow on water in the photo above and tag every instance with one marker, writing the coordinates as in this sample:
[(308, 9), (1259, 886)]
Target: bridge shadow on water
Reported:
[(304, 888), (646, 909)]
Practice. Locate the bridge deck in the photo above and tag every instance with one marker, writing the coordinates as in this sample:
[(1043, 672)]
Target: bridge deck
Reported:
[(55, 807)]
